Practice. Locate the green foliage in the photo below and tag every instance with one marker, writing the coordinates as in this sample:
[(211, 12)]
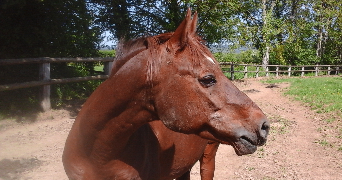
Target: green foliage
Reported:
[(243, 57), (107, 53), (62, 93), (291, 30), (47, 29), (130, 19), (323, 94)]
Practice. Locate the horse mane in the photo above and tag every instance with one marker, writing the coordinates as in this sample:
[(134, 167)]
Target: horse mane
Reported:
[(128, 49)]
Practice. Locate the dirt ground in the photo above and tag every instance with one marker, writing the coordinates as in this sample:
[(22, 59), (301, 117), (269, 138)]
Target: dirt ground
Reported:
[(294, 150)]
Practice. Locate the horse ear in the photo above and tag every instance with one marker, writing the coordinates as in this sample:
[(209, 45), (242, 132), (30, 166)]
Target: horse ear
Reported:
[(194, 24), (186, 29)]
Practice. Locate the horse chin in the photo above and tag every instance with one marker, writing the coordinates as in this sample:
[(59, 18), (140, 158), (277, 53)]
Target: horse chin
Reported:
[(243, 147)]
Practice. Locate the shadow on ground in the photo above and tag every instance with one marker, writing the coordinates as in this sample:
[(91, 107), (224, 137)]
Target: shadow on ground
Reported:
[(11, 169)]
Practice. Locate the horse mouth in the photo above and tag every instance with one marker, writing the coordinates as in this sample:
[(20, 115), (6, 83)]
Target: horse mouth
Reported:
[(244, 146)]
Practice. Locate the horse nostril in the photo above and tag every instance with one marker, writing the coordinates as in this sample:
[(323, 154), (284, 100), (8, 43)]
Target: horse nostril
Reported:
[(265, 126), (263, 132)]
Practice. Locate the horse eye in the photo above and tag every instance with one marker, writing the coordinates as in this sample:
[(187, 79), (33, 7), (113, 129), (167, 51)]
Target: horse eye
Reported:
[(208, 80)]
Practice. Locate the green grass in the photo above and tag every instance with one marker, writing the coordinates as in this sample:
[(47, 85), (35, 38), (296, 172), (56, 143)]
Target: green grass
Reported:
[(98, 68), (324, 142), (323, 94)]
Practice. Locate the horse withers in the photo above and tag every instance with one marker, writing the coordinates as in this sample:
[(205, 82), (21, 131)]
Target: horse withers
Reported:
[(165, 106)]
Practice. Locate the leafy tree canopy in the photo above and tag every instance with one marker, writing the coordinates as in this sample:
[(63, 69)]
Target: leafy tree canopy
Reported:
[(41, 28)]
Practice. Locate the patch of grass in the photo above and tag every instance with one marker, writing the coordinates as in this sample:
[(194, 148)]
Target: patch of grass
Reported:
[(323, 94), (98, 68), (280, 125), (261, 152), (324, 143), (250, 168), (330, 120), (268, 178)]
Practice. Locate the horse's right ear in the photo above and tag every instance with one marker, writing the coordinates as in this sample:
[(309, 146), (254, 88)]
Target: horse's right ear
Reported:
[(184, 31)]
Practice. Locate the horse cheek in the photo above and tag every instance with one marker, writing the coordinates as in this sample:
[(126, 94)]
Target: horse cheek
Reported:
[(185, 116)]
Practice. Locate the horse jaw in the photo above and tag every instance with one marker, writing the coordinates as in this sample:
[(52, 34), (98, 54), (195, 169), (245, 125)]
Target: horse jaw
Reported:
[(229, 130)]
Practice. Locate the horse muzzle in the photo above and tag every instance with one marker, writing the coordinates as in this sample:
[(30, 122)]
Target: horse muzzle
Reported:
[(247, 142)]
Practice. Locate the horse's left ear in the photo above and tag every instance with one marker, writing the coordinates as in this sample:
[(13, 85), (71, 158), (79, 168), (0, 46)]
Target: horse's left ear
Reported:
[(186, 30)]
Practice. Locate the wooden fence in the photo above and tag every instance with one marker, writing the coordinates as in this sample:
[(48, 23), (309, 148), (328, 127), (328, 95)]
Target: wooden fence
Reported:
[(44, 75), (279, 70), (45, 81)]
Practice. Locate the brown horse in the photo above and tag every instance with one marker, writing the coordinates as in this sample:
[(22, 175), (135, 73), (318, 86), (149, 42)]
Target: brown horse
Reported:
[(166, 105)]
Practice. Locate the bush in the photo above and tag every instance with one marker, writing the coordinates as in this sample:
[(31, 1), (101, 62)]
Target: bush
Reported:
[(63, 93), (243, 57)]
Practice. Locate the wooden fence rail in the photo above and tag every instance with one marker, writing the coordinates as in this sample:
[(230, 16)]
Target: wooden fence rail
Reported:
[(45, 81)]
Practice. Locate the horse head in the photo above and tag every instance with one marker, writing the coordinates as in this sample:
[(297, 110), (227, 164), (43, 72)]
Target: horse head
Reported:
[(192, 95)]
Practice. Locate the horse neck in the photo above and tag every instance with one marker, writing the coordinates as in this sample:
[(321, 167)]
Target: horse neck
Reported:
[(116, 109)]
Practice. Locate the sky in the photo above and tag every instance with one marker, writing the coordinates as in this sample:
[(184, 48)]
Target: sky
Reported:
[(108, 42)]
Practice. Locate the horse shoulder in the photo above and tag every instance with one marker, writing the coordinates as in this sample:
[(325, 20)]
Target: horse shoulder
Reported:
[(178, 151)]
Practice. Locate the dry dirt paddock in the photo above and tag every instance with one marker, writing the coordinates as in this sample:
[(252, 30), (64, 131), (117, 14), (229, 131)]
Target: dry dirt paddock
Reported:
[(33, 150)]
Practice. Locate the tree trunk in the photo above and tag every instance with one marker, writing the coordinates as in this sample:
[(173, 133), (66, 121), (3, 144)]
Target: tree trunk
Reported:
[(319, 43), (265, 58)]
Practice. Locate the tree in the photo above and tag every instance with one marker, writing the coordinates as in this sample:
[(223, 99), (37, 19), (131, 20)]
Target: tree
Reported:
[(328, 19), (127, 19), (147, 17), (40, 28)]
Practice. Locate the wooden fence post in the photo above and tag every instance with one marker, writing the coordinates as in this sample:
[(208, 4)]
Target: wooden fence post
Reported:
[(289, 71), (245, 71), (303, 72), (277, 71), (257, 71), (337, 69), (328, 70), (266, 71), (108, 67), (232, 71), (316, 70), (44, 74)]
